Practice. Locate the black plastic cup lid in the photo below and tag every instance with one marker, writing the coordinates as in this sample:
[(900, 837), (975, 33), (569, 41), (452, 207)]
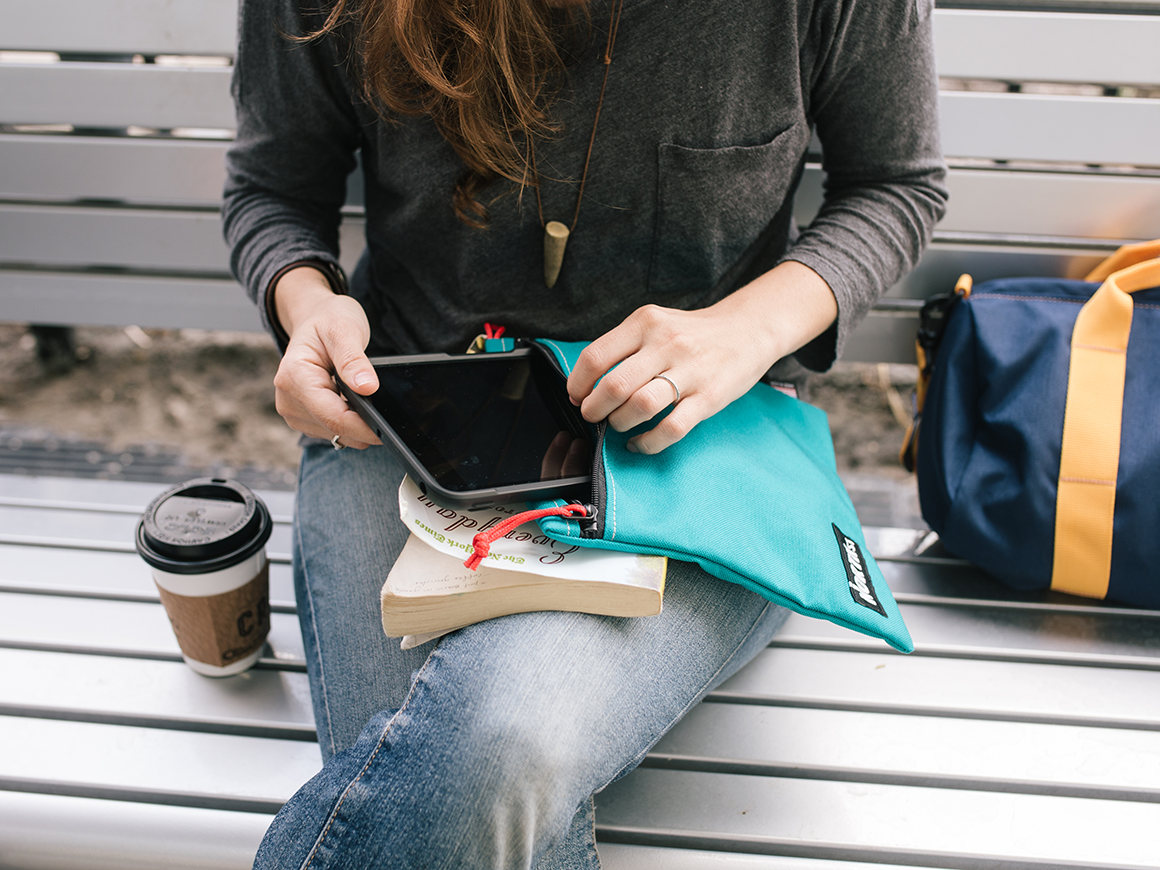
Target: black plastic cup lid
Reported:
[(203, 525)]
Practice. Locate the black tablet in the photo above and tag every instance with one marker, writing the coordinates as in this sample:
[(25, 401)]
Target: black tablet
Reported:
[(481, 429)]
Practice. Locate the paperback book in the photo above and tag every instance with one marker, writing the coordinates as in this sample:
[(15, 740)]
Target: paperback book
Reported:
[(430, 592)]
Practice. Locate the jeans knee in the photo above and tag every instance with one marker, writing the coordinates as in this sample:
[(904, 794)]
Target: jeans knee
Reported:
[(515, 756), (517, 785)]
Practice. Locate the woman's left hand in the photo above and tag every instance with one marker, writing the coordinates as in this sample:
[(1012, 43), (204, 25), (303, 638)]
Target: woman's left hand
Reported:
[(712, 356)]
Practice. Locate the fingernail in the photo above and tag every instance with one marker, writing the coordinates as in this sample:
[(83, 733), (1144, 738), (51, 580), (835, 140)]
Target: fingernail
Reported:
[(363, 378), (631, 447)]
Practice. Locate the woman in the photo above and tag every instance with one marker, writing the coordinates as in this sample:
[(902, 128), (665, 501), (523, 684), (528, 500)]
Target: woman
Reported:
[(668, 138)]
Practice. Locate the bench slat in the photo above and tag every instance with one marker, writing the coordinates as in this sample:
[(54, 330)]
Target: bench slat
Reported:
[(121, 26), (172, 242), (162, 241), (979, 125), (128, 508), (891, 683), (1047, 46), (1048, 128), (115, 95), (891, 824), (120, 528), (971, 43), (1109, 6), (154, 240), (136, 690), (1056, 634), (915, 750), (92, 623), (87, 759), (50, 524), (117, 495), (1013, 629), (622, 856), (163, 97), (1076, 205), (191, 172), (48, 832), (955, 579), (167, 241), (53, 622), (260, 702), (114, 300), (165, 171), (94, 574)]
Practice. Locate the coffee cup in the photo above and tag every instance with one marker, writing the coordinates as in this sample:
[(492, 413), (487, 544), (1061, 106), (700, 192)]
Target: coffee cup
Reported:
[(205, 540)]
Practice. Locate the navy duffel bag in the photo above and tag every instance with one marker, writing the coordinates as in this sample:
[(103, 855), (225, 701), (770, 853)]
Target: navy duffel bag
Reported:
[(1038, 442)]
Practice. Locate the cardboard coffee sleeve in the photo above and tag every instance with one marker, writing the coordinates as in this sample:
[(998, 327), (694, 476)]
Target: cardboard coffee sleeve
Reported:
[(221, 630)]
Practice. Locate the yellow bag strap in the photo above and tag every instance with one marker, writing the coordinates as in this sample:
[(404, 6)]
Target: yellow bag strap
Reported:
[(1090, 459), (1125, 256)]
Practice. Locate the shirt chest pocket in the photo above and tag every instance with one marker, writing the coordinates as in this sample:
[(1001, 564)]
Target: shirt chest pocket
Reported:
[(712, 204)]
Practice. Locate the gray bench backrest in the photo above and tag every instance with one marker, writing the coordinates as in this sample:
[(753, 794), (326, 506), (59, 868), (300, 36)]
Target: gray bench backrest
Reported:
[(1050, 123), (111, 156)]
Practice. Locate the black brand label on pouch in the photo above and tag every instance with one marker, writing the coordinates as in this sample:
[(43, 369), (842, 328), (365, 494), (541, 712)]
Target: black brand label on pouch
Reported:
[(857, 572)]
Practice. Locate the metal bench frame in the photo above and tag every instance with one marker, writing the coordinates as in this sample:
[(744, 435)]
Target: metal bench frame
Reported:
[(1024, 732)]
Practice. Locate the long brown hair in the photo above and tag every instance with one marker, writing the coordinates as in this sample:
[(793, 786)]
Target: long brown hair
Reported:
[(485, 71)]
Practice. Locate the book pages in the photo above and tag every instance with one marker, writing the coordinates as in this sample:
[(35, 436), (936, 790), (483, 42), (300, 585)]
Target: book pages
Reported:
[(525, 549)]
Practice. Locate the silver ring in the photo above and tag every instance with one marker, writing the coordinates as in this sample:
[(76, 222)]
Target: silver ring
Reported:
[(676, 389), (334, 443)]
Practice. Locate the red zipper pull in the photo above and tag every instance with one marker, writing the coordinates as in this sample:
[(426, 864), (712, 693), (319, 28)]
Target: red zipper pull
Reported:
[(493, 331), (482, 542)]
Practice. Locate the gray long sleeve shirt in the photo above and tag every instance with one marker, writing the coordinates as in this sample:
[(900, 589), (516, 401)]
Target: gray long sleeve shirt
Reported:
[(702, 138)]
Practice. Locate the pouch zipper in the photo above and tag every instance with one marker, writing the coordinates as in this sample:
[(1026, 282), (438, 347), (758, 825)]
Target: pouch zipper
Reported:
[(592, 525)]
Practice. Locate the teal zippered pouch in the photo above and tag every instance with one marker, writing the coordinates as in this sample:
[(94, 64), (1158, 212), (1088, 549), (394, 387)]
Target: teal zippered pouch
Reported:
[(753, 496)]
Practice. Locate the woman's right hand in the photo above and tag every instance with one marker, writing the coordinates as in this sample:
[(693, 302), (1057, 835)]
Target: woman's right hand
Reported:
[(328, 334)]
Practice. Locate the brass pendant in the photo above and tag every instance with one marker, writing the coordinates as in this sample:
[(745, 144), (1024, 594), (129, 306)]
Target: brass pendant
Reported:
[(555, 240)]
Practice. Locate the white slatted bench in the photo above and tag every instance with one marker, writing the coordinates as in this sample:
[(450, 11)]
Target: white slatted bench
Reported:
[(1023, 733)]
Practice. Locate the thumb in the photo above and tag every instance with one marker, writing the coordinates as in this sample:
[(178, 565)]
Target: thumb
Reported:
[(358, 373), (350, 362)]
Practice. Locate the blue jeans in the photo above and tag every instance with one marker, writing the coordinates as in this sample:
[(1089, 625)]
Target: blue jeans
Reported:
[(482, 749)]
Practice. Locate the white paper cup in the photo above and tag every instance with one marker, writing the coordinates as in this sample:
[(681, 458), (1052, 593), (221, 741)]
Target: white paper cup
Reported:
[(205, 540)]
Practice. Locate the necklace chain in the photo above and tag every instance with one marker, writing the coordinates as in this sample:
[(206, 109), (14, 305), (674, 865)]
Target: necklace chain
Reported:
[(613, 27)]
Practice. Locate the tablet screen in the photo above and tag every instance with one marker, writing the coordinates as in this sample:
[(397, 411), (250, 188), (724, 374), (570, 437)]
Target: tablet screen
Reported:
[(483, 421)]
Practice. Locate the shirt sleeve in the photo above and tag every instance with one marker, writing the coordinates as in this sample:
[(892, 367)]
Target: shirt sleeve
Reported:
[(874, 103), (297, 133)]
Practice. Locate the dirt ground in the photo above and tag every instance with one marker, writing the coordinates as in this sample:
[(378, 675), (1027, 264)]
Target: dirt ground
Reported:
[(205, 399)]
